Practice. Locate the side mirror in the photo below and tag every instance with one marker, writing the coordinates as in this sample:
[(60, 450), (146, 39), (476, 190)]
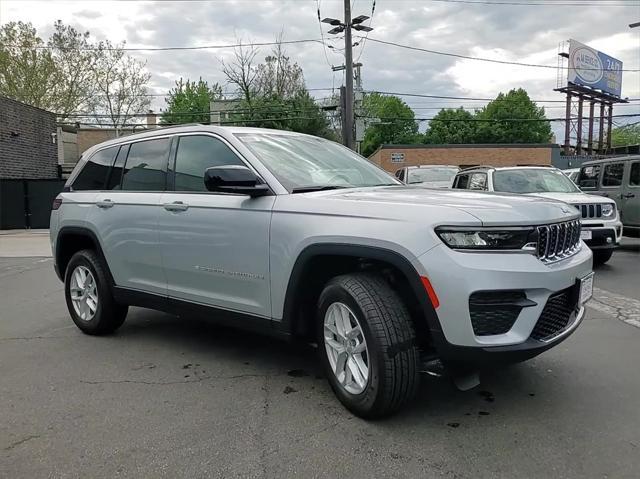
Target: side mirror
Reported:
[(234, 179)]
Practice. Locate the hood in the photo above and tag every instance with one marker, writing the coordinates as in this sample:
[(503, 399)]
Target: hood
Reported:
[(492, 209), (433, 184), (574, 198)]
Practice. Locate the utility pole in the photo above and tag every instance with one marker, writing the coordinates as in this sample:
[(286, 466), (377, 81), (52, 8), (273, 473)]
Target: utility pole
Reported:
[(348, 53), (346, 26)]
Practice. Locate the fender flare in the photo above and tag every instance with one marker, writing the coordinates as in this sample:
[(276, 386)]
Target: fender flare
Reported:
[(78, 231), (391, 257)]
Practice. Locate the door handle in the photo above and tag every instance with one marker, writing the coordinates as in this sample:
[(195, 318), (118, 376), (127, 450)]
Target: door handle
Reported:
[(176, 206), (630, 195), (106, 203)]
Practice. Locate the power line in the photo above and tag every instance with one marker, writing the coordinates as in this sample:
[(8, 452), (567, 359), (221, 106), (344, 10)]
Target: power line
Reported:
[(324, 46), (445, 97), (582, 3), (364, 42), (491, 60), (489, 120), (164, 49)]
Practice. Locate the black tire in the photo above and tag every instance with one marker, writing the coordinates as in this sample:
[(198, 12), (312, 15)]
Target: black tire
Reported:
[(601, 256), (108, 315), (392, 349)]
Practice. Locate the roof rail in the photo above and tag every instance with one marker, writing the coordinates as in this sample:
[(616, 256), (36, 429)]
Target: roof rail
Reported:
[(477, 167)]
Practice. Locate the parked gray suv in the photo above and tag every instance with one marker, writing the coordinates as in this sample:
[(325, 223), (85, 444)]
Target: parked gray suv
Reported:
[(301, 238)]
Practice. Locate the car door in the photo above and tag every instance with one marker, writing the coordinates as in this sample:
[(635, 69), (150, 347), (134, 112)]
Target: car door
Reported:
[(126, 215), (630, 196), (215, 246), (611, 182)]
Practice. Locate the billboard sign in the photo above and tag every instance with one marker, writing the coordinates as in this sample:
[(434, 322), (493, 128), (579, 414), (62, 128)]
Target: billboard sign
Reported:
[(594, 69)]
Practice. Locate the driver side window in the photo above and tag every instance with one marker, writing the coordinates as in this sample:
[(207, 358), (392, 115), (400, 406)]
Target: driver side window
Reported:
[(195, 154)]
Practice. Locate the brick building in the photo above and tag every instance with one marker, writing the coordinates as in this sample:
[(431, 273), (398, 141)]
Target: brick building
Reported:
[(27, 141), (392, 157)]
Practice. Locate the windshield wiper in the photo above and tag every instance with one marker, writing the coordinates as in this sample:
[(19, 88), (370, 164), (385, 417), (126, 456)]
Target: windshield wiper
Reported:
[(307, 189)]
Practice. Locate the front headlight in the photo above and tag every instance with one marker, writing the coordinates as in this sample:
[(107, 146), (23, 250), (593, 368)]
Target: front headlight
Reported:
[(608, 210), (488, 238)]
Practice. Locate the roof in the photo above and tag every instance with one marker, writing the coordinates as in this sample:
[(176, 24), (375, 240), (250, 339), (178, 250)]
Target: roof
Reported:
[(504, 168), (171, 130), (612, 158), (468, 145)]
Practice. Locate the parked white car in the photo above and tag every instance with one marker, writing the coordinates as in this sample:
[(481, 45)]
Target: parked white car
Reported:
[(601, 225), (428, 176)]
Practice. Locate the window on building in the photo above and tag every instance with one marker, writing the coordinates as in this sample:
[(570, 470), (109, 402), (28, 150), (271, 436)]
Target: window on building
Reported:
[(146, 165), (612, 175), (197, 153), (94, 174)]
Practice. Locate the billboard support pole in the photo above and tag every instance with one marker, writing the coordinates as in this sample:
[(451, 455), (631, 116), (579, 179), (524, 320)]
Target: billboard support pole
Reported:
[(579, 130), (567, 126), (601, 132), (592, 105), (609, 126)]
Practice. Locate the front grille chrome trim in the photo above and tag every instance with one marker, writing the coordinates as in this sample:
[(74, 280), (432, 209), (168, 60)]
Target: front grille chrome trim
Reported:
[(558, 241)]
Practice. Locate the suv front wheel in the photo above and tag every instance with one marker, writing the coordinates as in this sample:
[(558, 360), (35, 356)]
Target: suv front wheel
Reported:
[(88, 293), (367, 344)]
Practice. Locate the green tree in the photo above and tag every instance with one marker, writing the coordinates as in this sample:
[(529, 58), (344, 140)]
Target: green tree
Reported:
[(626, 135), (451, 126), (394, 122), (496, 123), (189, 102)]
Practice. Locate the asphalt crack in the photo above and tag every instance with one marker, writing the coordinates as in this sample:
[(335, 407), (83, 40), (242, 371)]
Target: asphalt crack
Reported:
[(167, 383), (621, 307), (21, 441)]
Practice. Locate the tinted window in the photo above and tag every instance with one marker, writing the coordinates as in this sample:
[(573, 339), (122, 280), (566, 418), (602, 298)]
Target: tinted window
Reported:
[(462, 182), (94, 174), (612, 175), (634, 178), (589, 176), (145, 168), (478, 181), (113, 182), (196, 154)]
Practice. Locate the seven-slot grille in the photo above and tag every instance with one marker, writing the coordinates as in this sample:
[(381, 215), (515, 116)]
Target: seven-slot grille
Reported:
[(558, 241), (590, 211)]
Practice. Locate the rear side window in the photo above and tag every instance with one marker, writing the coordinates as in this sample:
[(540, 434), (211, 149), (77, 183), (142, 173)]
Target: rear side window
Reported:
[(195, 154), (462, 182), (478, 181), (612, 175), (146, 165), (634, 177), (94, 174), (588, 177), (115, 176)]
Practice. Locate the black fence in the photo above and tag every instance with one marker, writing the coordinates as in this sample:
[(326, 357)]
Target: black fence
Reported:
[(27, 203)]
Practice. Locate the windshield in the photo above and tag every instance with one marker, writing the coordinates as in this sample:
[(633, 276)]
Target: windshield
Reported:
[(532, 181), (301, 162), (420, 175)]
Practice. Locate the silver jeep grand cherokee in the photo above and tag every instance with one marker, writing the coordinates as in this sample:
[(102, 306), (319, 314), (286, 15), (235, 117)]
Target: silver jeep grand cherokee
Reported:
[(302, 238)]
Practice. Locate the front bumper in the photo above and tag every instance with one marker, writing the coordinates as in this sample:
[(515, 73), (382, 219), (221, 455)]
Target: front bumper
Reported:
[(604, 237), (455, 276)]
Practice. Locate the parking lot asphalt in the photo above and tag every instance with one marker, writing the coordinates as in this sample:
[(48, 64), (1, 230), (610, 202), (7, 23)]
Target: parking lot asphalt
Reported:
[(169, 397)]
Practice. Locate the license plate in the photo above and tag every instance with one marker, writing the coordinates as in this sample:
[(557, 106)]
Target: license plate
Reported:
[(585, 234), (586, 288)]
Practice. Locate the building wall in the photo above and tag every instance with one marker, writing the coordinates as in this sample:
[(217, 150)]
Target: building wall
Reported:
[(464, 155), (27, 148), (87, 138)]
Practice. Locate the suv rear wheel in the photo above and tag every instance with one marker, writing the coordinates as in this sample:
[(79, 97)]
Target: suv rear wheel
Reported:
[(367, 344), (89, 297)]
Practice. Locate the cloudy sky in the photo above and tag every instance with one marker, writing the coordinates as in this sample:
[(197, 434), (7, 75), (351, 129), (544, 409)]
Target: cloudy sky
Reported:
[(521, 33)]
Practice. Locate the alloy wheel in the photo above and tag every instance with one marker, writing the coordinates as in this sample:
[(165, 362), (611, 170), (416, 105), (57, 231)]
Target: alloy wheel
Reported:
[(84, 293)]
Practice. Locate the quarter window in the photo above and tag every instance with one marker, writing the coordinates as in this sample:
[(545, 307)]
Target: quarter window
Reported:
[(115, 176), (612, 175), (462, 182), (195, 154), (94, 174), (634, 177), (145, 169)]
